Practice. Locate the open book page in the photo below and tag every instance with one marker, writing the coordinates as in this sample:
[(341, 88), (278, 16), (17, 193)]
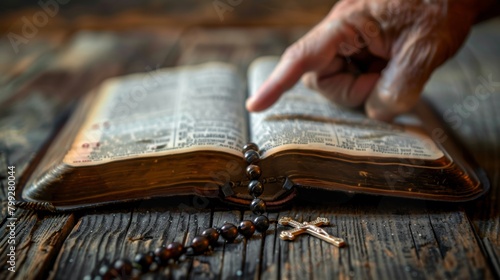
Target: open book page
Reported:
[(175, 110), (303, 119)]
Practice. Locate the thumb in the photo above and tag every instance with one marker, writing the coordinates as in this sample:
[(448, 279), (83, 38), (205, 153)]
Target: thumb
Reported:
[(406, 74)]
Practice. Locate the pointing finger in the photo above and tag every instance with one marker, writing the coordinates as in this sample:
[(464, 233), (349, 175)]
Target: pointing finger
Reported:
[(312, 52)]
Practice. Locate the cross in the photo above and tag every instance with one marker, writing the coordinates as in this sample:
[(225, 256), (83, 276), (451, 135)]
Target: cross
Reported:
[(313, 228)]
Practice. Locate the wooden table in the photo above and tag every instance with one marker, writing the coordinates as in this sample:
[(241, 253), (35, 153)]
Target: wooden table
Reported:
[(386, 237)]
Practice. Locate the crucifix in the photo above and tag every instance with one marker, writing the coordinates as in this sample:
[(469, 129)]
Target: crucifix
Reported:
[(313, 228)]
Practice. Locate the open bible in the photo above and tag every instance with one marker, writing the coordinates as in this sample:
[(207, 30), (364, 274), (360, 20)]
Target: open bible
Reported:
[(180, 131)]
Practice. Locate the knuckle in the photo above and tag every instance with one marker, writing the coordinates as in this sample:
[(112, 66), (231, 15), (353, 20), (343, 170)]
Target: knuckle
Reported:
[(295, 51), (309, 80), (296, 54), (398, 100)]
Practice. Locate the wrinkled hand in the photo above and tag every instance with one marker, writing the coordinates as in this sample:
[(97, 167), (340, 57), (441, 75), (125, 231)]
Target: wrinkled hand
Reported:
[(379, 53)]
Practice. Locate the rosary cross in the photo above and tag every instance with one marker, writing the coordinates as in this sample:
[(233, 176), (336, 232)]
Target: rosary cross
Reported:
[(313, 228)]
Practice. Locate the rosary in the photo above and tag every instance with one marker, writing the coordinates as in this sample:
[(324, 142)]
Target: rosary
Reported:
[(151, 261)]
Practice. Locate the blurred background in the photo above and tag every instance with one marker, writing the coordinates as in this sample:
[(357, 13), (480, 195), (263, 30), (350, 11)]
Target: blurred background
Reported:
[(108, 14)]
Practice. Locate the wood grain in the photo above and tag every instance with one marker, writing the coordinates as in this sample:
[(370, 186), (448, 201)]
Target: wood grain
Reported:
[(95, 239), (38, 241), (385, 240)]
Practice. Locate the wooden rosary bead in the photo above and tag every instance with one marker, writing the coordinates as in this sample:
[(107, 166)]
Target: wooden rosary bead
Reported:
[(253, 172), (200, 244), (255, 188), (229, 232), (162, 256), (106, 272), (250, 146), (176, 250), (144, 261), (212, 234), (246, 228), (252, 157), (258, 206), (123, 267), (261, 223)]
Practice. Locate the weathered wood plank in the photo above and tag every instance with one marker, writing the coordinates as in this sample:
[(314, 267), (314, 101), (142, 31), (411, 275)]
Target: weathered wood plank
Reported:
[(94, 239), (238, 260), (103, 237), (386, 239), (233, 260), (270, 262), (295, 257), (457, 243), (197, 222), (37, 243), (208, 266), (253, 252)]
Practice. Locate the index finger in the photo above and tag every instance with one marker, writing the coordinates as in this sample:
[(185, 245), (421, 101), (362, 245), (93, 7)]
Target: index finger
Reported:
[(312, 52)]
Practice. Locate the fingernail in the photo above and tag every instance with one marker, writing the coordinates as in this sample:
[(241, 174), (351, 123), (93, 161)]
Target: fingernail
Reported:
[(379, 114), (249, 103)]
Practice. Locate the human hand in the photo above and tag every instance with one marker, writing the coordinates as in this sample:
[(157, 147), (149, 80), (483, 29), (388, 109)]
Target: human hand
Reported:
[(379, 53)]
